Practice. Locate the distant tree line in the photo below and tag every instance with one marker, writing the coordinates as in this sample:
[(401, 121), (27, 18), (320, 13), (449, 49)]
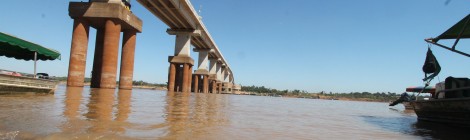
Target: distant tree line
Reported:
[(363, 96), (64, 78), (263, 89), (143, 83)]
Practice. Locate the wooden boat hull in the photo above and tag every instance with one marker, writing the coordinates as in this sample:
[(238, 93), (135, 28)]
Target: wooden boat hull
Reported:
[(453, 111), (17, 85), (407, 105)]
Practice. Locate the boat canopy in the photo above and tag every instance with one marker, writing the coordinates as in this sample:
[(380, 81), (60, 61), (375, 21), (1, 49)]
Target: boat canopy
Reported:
[(18, 48), (460, 30)]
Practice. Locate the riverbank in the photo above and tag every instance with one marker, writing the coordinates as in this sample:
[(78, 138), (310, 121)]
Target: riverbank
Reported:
[(344, 96)]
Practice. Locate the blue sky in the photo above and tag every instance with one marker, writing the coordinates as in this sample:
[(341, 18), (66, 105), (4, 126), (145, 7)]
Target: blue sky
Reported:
[(313, 45)]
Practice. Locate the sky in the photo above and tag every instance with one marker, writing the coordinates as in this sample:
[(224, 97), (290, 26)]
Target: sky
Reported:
[(312, 45)]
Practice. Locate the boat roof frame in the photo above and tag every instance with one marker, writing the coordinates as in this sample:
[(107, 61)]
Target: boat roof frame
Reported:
[(457, 31)]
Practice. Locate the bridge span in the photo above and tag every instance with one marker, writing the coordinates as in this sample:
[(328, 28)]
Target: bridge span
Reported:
[(110, 17)]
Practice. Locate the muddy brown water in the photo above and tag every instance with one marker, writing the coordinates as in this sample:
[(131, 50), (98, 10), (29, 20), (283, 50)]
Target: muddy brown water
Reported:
[(84, 113)]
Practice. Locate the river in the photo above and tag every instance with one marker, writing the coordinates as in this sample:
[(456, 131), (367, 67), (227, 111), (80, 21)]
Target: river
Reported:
[(84, 113)]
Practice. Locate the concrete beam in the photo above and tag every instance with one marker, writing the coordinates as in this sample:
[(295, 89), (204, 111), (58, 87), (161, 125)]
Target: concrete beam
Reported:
[(108, 1), (183, 8), (94, 12), (183, 45), (181, 60), (191, 32), (203, 61)]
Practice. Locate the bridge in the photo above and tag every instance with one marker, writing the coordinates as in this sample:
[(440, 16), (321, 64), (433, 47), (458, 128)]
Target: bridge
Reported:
[(111, 17)]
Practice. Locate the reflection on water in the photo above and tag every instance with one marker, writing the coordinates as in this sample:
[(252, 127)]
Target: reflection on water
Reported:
[(84, 113), (191, 116)]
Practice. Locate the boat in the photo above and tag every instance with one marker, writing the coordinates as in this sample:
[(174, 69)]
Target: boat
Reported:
[(407, 105), (416, 89), (12, 82), (405, 97), (450, 103)]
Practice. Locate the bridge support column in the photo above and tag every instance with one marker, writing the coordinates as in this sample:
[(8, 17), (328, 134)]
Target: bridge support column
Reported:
[(213, 87), (112, 33), (97, 59), (186, 78), (127, 60), (182, 77), (200, 83), (172, 77), (219, 88), (196, 83), (78, 51), (102, 16), (205, 88), (202, 73)]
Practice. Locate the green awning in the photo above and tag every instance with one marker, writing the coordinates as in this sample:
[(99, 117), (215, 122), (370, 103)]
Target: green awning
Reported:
[(461, 28), (18, 48)]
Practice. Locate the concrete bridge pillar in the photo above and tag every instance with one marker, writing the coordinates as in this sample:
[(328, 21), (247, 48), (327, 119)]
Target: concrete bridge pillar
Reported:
[(205, 82), (219, 87), (78, 51), (102, 16), (127, 59), (195, 83), (201, 83), (213, 86), (97, 59), (213, 69), (181, 77), (226, 82), (112, 35)]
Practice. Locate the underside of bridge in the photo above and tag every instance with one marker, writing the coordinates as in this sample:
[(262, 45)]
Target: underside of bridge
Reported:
[(110, 17)]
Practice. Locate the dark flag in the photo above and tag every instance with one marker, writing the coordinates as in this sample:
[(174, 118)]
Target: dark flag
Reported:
[(431, 66)]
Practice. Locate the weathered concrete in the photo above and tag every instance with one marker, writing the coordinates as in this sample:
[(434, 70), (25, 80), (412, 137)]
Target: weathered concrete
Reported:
[(171, 77), (219, 71), (182, 75), (227, 88), (190, 75), (182, 56), (78, 51), (219, 87), (226, 75), (212, 86), (109, 17), (186, 78), (127, 60), (196, 83), (97, 59), (97, 11), (112, 32), (181, 60), (183, 44), (203, 61), (205, 88)]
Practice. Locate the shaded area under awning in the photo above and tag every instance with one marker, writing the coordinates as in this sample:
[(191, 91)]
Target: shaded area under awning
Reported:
[(18, 48)]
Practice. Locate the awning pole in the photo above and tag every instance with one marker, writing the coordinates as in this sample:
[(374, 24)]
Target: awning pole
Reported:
[(445, 47), (35, 61)]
